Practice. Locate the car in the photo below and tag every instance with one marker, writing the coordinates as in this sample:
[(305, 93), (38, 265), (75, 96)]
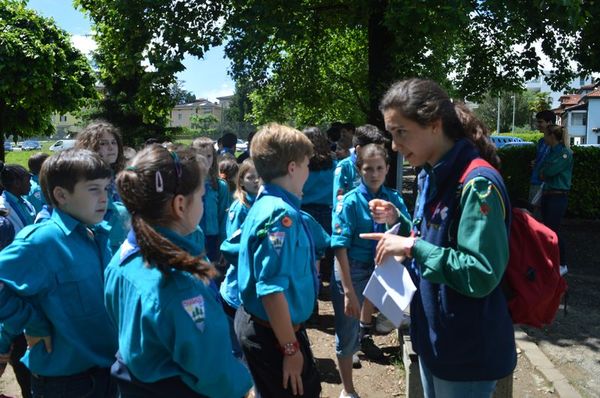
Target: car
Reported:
[(8, 147), (502, 140), (241, 145), (31, 145), (61, 145)]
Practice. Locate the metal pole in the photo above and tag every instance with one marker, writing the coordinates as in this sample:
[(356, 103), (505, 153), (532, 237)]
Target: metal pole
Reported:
[(513, 122), (498, 118)]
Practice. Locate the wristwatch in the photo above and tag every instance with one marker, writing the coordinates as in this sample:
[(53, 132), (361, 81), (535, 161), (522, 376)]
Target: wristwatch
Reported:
[(289, 349)]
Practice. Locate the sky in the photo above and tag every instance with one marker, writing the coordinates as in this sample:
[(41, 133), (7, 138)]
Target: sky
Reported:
[(206, 78)]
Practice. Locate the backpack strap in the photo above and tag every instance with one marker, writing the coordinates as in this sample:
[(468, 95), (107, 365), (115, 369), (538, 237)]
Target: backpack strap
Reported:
[(475, 163)]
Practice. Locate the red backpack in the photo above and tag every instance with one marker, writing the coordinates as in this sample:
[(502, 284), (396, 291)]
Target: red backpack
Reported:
[(532, 281)]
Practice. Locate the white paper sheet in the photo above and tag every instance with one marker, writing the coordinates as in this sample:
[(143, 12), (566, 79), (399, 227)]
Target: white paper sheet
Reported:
[(391, 289)]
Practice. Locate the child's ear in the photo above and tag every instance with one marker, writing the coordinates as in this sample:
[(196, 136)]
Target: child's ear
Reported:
[(178, 206), (60, 195), (291, 167)]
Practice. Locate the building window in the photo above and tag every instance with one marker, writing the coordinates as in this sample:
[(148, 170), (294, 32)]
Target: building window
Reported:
[(578, 119), (63, 118), (179, 116)]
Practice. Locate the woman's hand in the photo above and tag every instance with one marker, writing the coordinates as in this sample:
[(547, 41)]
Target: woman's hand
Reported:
[(383, 212), (390, 245), (292, 372), (351, 305)]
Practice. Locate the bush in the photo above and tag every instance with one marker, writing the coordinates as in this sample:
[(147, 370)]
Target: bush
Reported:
[(525, 135), (584, 197)]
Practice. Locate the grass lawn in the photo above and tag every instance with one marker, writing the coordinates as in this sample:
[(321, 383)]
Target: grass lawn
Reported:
[(21, 157)]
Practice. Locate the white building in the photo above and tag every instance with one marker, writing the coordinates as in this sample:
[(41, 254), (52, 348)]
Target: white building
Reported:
[(580, 114), (540, 85)]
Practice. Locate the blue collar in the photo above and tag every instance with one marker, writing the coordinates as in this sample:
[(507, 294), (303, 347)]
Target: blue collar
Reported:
[(68, 224), (276, 190)]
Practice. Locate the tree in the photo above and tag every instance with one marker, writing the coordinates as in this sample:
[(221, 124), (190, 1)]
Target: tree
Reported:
[(539, 101), (205, 124), (141, 45), (487, 110), (181, 95), (311, 60), (40, 72)]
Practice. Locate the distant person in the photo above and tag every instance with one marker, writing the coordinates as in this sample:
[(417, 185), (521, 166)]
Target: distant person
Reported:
[(556, 171), (35, 196), (16, 181), (228, 170), (343, 147), (544, 119), (228, 143)]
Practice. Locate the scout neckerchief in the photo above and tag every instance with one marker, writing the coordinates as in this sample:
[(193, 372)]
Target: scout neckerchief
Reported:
[(20, 208), (362, 188), (271, 190)]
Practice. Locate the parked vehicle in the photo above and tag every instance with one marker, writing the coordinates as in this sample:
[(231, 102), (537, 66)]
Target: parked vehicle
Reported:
[(241, 145), (8, 147), (31, 145), (61, 145), (506, 140)]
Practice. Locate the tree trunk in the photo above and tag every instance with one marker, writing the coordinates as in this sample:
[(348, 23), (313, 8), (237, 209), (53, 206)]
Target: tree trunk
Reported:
[(380, 42)]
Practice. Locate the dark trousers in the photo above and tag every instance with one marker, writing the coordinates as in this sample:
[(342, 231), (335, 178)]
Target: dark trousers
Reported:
[(130, 387), (265, 360), (22, 374), (554, 207), (93, 383)]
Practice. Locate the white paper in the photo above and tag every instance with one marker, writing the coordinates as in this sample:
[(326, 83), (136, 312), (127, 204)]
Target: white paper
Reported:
[(391, 289)]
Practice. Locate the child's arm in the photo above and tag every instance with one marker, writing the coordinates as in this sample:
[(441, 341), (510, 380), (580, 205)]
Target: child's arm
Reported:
[(277, 309), (351, 305)]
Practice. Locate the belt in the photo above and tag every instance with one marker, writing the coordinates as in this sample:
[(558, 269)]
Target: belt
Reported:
[(266, 324), (555, 192)]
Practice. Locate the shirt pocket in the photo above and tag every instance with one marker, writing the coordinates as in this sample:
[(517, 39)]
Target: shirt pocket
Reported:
[(79, 293)]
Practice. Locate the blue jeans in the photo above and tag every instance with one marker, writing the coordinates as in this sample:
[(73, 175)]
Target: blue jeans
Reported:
[(435, 387), (554, 207), (347, 328), (94, 383)]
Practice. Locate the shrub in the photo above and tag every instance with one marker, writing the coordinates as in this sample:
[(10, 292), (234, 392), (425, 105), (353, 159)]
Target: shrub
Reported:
[(525, 135), (584, 197)]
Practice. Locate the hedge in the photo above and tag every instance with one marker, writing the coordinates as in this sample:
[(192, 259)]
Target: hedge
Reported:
[(526, 135), (584, 197)]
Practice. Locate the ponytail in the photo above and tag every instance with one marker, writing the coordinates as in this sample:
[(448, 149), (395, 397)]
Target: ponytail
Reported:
[(163, 254), (147, 188), (478, 134)]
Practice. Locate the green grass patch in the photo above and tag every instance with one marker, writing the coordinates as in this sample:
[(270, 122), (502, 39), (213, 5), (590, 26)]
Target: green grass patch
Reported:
[(21, 157)]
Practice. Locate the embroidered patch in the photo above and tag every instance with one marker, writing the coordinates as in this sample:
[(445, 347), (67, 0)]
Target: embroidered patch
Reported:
[(339, 207), (286, 222), (277, 239), (484, 208), (338, 171), (195, 309), (340, 192), (564, 155)]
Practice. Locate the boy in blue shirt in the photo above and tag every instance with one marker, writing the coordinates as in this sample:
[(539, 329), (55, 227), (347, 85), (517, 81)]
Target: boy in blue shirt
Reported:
[(35, 196), (51, 282), (277, 278)]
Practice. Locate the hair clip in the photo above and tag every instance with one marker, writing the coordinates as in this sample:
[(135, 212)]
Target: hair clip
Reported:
[(158, 180), (131, 168)]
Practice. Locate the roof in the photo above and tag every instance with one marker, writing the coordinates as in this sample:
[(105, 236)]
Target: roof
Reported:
[(594, 94), (569, 99), (576, 108)]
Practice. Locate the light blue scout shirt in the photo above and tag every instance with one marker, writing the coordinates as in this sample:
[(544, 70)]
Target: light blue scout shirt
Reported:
[(236, 216), (119, 220), (20, 212), (318, 188), (52, 284), (35, 196), (171, 326), (557, 168), (353, 217), (278, 255), (345, 178), (216, 203)]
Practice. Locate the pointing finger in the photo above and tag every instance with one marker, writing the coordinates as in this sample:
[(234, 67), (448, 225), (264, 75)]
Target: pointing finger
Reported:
[(372, 236)]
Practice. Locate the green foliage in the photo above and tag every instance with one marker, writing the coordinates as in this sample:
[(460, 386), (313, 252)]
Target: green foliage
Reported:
[(584, 197), (540, 101), (488, 110), (141, 45), (40, 72), (311, 61), (526, 135)]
